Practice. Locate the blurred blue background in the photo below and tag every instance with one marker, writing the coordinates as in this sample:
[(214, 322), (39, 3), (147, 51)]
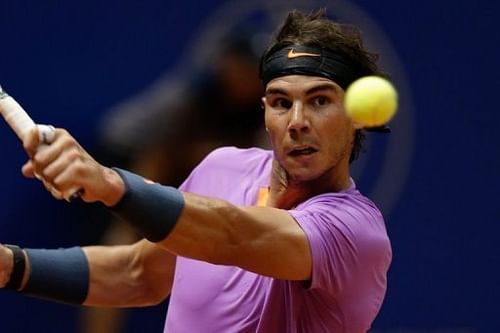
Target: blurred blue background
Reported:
[(436, 177)]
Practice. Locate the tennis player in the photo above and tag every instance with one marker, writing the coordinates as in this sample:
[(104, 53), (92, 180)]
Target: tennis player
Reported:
[(254, 240)]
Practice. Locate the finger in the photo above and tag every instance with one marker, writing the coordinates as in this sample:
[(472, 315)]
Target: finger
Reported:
[(55, 193), (50, 187), (71, 181), (28, 170), (47, 154), (31, 141), (63, 161), (46, 134), (44, 156)]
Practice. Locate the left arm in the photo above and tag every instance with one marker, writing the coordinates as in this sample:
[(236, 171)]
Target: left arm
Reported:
[(264, 240)]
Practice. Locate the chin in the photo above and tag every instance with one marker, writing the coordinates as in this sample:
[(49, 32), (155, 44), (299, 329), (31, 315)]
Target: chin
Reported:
[(303, 175)]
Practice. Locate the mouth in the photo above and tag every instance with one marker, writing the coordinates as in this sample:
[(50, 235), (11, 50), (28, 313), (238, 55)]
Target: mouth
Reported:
[(302, 151)]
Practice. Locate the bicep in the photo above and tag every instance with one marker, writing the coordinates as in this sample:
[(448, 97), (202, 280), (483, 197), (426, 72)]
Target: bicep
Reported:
[(273, 244)]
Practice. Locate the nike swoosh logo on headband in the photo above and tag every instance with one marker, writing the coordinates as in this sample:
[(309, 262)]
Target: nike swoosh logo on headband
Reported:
[(292, 54)]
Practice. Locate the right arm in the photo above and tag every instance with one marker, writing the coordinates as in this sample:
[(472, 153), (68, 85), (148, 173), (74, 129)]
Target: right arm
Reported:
[(120, 276)]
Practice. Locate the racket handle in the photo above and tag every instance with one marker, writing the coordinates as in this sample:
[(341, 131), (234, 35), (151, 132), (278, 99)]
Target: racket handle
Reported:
[(15, 116), (21, 123)]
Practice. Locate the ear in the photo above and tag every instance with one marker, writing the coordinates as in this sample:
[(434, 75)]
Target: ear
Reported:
[(263, 103)]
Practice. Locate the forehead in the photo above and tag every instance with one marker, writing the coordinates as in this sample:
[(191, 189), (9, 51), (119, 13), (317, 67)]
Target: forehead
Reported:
[(300, 82)]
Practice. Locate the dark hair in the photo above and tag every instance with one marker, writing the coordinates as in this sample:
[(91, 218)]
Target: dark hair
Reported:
[(316, 30)]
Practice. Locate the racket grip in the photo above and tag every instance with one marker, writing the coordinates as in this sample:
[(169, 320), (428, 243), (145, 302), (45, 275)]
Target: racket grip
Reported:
[(21, 123), (15, 116)]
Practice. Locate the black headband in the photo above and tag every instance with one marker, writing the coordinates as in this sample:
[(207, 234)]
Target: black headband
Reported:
[(305, 60), (312, 61)]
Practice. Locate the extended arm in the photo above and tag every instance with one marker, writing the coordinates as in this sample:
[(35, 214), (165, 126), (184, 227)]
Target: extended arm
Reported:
[(264, 240), (120, 276)]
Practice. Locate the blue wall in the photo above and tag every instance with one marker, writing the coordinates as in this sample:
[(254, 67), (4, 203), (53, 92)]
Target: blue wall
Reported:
[(68, 63)]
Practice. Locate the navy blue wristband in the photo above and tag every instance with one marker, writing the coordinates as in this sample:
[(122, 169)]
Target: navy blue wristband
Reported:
[(19, 266), (60, 275), (153, 209)]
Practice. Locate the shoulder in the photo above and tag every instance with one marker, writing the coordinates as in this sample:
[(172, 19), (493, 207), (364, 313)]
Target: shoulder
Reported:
[(348, 218), (228, 154), (229, 165), (350, 204), (348, 241), (236, 159), (348, 200)]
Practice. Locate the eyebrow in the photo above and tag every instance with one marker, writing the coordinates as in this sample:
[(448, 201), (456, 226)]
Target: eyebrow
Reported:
[(275, 91), (324, 86)]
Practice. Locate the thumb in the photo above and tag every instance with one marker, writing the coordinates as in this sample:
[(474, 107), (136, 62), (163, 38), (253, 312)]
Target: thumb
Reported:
[(31, 141), (39, 134)]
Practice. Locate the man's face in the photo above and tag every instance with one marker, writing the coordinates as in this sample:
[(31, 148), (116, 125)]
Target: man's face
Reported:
[(309, 130)]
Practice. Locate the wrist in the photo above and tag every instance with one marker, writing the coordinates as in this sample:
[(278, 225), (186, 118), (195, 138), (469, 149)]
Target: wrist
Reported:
[(7, 264), (60, 275), (153, 209), (115, 187), (15, 277)]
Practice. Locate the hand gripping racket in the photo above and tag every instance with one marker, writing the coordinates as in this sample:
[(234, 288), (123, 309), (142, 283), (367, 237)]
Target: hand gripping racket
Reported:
[(21, 123)]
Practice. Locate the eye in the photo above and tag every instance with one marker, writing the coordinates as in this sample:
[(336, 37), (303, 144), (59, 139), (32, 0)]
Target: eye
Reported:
[(281, 103), (321, 101)]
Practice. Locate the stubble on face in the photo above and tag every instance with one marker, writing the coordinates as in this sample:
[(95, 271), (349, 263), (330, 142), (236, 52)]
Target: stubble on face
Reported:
[(309, 131)]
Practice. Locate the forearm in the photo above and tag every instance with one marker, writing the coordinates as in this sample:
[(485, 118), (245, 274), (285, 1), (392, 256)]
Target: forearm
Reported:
[(109, 282), (128, 276), (264, 240), (119, 276), (201, 228), (210, 230)]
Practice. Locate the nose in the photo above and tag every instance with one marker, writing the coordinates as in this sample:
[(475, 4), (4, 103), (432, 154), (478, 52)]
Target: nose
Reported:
[(298, 119)]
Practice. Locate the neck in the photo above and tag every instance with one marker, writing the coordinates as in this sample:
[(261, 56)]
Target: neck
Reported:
[(286, 193)]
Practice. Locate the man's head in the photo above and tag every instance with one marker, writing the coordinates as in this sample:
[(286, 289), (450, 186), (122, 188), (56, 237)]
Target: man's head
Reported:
[(312, 45)]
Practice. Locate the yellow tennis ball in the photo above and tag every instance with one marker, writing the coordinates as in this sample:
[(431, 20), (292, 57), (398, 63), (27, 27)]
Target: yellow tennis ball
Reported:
[(371, 101)]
